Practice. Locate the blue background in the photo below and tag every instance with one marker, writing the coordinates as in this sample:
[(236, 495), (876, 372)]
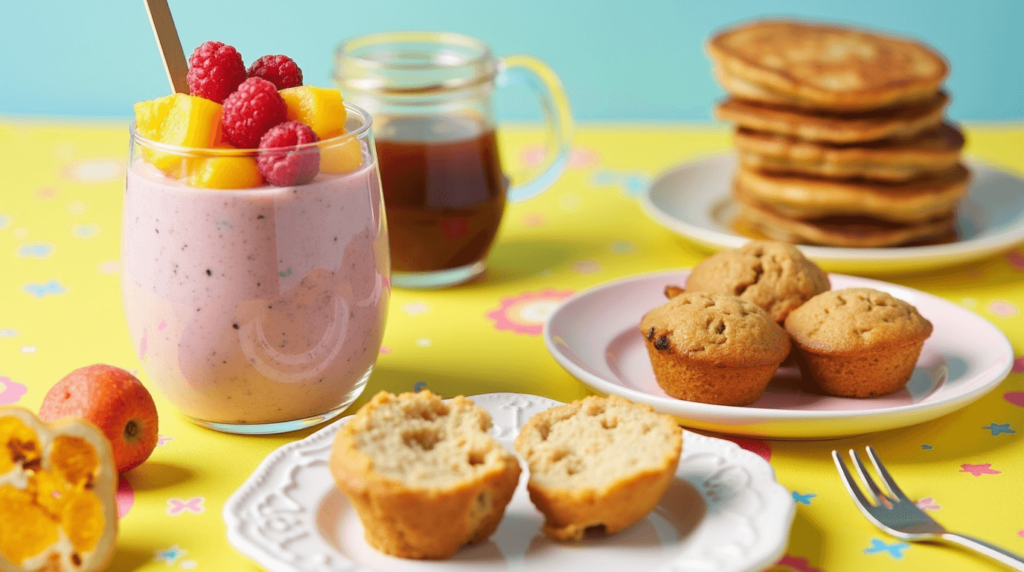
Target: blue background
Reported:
[(635, 60)]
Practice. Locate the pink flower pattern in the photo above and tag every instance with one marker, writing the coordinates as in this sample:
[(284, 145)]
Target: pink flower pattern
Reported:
[(585, 267), (125, 496), (793, 564), (1014, 398), (1003, 309), (1016, 260), (579, 158), (10, 391), (758, 447), (194, 505), (527, 312)]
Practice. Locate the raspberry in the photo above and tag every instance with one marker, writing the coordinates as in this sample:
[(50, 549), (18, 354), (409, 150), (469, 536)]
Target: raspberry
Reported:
[(250, 111), (279, 70), (214, 71), (284, 165)]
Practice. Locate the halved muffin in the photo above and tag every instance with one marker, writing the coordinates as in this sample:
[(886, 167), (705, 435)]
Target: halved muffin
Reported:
[(423, 474), (601, 463)]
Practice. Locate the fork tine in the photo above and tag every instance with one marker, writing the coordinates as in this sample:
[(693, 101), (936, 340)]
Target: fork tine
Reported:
[(879, 496), (851, 485), (889, 482)]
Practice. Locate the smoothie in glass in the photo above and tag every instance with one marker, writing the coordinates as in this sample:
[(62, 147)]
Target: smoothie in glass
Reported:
[(257, 310)]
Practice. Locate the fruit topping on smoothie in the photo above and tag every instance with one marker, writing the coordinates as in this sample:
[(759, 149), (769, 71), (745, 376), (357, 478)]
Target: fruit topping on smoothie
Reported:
[(320, 108), (225, 173), (180, 120), (234, 108), (279, 70), (249, 112), (341, 155), (284, 165), (215, 71)]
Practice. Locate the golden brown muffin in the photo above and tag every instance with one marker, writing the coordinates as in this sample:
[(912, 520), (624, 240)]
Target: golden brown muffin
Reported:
[(858, 342), (423, 474), (602, 463), (713, 348), (773, 275), (825, 66)]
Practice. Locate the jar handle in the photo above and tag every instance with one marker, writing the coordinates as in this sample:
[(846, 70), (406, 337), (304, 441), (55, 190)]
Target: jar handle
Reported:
[(542, 80)]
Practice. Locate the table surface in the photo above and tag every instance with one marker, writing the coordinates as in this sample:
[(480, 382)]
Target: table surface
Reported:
[(60, 309)]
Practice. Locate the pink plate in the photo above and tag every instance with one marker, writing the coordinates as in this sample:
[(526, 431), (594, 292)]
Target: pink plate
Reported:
[(594, 335)]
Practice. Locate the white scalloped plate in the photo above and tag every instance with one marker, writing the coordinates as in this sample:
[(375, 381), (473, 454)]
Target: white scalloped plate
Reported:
[(724, 512), (693, 200)]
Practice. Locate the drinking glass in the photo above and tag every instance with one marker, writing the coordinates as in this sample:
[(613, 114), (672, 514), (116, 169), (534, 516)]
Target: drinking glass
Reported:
[(443, 183), (256, 310)]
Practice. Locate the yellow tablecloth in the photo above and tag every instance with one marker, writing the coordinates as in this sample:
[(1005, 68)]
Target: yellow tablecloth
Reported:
[(60, 197)]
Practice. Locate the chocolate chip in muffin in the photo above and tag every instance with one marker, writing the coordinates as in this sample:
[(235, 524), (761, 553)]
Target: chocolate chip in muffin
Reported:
[(713, 348)]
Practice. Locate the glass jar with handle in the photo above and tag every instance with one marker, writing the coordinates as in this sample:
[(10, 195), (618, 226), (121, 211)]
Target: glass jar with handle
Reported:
[(444, 186)]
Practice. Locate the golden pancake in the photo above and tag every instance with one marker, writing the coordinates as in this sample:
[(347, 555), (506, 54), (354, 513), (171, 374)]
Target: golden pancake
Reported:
[(825, 67), (808, 197), (840, 128), (749, 91), (930, 151), (849, 232)]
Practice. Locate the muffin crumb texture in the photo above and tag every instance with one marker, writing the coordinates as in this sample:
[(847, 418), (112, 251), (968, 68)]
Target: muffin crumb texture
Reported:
[(598, 464), (423, 474), (428, 443), (851, 320)]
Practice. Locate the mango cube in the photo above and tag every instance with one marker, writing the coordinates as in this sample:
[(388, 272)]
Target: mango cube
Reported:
[(320, 108), (225, 173), (342, 157), (177, 119)]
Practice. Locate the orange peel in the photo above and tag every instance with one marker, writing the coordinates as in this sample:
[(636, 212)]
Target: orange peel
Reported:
[(58, 495)]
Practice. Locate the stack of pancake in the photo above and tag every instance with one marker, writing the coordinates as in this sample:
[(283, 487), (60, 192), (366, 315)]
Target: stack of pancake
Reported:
[(840, 134)]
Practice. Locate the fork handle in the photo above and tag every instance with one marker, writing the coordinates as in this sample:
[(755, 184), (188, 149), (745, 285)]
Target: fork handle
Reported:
[(980, 546)]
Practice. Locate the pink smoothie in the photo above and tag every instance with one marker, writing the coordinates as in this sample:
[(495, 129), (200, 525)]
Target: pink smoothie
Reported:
[(256, 306)]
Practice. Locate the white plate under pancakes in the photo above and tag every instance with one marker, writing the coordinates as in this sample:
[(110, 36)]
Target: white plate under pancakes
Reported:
[(724, 512), (693, 200), (595, 336)]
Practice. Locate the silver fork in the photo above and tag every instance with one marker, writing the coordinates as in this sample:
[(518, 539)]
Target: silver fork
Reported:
[(896, 514)]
